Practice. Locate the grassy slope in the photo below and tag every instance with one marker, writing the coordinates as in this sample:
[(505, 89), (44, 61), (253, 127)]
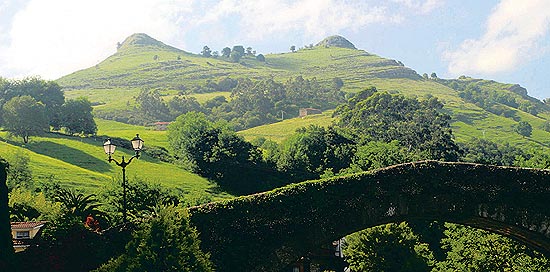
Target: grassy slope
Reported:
[(279, 131), (79, 162), (125, 73), (114, 83)]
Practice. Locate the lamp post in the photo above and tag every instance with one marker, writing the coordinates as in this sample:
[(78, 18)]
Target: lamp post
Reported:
[(109, 148)]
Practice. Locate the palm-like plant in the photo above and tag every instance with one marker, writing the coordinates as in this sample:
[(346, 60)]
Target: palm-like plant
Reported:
[(79, 205)]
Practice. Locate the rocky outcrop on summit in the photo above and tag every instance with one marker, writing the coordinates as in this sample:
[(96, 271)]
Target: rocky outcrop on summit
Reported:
[(336, 41)]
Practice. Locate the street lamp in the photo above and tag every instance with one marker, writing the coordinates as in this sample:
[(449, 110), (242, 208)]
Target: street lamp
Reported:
[(109, 148)]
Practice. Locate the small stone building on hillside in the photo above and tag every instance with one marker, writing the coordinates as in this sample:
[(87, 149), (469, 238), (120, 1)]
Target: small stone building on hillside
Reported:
[(309, 111), (161, 125)]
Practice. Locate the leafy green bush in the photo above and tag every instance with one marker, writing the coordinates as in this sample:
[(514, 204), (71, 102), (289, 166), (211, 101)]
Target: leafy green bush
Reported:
[(165, 242), (390, 247), (141, 198), (470, 249)]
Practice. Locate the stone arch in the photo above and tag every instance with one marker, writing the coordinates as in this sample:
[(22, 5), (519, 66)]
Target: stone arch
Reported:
[(266, 231)]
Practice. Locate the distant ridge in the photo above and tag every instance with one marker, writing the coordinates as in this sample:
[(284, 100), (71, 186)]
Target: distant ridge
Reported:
[(336, 41)]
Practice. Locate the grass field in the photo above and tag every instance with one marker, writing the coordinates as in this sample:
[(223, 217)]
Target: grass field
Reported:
[(279, 131), (81, 163)]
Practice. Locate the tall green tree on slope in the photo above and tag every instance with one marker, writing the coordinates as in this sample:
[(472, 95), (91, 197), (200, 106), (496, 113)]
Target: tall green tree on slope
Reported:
[(418, 125), (214, 151), (48, 93), (24, 116), (77, 116)]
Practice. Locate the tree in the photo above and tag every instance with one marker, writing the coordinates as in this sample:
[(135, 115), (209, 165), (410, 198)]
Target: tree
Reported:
[(260, 57), (292, 48), (24, 116), (374, 155), (236, 56), (391, 247), (65, 244), (206, 52), (470, 249), (214, 151), (418, 125), (249, 51), (165, 242), (48, 93), (226, 51), (183, 104), (312, 150), (487, 152), (337, 83), (20, 175), (215, 54), (534, 158), (433, 75), (77, 117), (524, 129), (141, 198), (239, 49), (6, 245), (28, 205), (152, 105)]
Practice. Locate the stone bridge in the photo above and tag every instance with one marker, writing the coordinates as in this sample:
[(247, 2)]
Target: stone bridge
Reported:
[(267, 231)]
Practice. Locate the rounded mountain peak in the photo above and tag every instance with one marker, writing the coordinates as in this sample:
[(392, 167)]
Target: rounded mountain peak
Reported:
[(336, 41), (140, 39)]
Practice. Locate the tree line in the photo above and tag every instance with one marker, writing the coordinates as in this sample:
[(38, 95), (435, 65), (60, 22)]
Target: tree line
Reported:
[(234, 54), (374, 129), (32, 106), (251, 102)]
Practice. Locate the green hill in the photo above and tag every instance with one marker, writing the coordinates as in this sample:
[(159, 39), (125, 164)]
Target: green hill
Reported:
[(143, 62)]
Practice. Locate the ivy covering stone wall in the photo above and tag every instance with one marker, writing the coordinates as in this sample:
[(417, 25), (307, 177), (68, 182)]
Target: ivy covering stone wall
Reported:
[(266, 231)]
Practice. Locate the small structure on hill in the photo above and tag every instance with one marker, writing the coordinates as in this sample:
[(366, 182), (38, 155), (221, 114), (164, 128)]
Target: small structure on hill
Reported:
[(309, 111), (161, 125), (22, 233)]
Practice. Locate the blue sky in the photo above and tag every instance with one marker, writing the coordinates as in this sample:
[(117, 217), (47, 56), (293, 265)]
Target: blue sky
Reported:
[(504, 40)]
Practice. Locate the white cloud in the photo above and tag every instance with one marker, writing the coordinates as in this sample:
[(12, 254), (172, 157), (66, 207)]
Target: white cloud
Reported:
[(423, 7), (515, 34), (313, 18), (53, 38)]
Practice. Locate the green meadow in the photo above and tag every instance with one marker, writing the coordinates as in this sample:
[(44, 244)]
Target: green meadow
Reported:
[(81, 163)]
